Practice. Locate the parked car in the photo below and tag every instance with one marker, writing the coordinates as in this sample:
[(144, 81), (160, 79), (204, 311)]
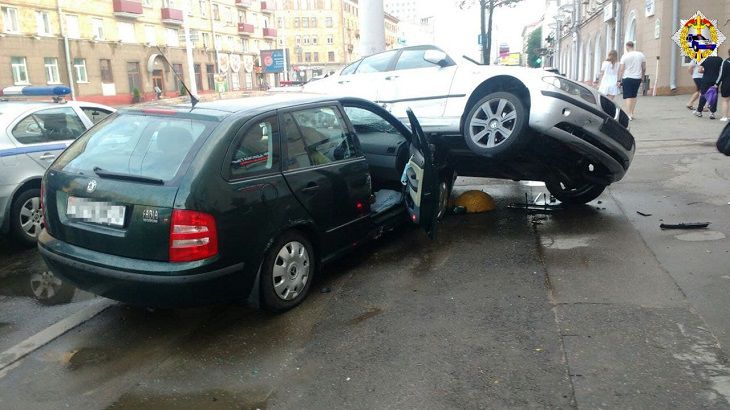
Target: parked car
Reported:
[(699, 42), (497, 121), (32, 134), (234, 199)]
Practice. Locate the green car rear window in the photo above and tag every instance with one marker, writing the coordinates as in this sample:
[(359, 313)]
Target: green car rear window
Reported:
[(144, 145)]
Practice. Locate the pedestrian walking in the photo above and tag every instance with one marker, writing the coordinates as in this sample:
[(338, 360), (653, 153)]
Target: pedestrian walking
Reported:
[(631, 72), (694, 70), (608, 80), (724, 82), (710, 74)]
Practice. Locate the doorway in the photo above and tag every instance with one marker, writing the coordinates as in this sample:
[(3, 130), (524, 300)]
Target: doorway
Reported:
[(158, 80)]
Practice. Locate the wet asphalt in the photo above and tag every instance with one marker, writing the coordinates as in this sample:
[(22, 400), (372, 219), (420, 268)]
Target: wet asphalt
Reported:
[(593, 307)]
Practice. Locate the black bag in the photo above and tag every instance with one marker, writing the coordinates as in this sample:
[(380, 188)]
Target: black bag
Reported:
[(723, 143)]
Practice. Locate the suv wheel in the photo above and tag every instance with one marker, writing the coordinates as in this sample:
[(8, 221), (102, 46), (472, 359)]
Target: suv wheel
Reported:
[(495, 126), (26, 217), (287, 272), (578, 195)]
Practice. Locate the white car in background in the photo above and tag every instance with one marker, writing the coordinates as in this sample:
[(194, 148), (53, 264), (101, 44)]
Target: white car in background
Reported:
[(531, 124)]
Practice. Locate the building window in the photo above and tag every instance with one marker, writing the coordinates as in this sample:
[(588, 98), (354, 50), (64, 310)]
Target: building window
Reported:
[(328, 21), (203, 8), (147, 3), (133, 77), (314, 40), (331, 56), (177, 68), (43, 21), (296, 22), (10, 19), (171, 37), (106, 71), (299, 57), (305, 22), (280, 22), (51, 65), (216, 12), (313, 22), (330, 39), (20, 70), (210, 72), (206, 40), (126, 32), (298, 40), (198, 77), (80, 70), (218, 42), (245, 45), (241, 17), (280, 41), (150, 36), (97, 29), (305, 40), (316, 57), (308, 57), (72, 26)]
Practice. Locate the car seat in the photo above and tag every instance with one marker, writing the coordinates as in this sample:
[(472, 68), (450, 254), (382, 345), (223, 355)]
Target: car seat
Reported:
[(164, 158)]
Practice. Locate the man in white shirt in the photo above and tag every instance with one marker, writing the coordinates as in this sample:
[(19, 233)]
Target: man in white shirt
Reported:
[(630, 74)]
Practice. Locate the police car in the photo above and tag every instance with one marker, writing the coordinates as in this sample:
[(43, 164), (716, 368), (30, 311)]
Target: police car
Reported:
[(32, 134)]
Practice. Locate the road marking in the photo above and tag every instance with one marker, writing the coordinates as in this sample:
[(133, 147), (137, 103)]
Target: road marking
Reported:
[(50, 333)]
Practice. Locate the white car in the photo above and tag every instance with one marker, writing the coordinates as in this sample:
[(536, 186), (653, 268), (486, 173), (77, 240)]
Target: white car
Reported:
[(531, 124)]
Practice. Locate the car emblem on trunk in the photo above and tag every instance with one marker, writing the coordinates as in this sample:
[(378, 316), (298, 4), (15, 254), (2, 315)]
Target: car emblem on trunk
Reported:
[(91, 187)]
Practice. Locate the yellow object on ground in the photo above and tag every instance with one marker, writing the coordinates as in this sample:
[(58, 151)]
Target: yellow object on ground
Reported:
[(475, 201)]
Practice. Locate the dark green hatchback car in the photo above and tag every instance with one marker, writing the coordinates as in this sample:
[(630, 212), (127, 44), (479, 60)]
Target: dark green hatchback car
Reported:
[(234, 199)]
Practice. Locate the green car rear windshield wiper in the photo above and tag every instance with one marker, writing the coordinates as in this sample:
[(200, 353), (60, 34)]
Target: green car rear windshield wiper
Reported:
[(127, 177)]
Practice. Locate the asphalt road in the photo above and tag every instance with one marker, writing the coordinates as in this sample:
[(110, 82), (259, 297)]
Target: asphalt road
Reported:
[(591, 307)]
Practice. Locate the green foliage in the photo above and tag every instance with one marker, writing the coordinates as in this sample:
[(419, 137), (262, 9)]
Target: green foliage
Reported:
[(533, 45), (136, 93)]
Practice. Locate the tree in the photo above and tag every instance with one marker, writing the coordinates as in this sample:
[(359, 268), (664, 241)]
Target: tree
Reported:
[(484, 6), (533, 48)]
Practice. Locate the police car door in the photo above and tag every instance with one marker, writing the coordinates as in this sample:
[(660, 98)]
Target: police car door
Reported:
[(44, 133), (421, 180)]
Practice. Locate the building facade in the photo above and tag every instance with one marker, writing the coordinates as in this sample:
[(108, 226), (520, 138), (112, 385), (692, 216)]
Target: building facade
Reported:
[(588, 29), (113, 51), (321, 36)]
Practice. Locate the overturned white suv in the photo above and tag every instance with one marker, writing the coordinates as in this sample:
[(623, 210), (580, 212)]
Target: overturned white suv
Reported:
[(498, 121)]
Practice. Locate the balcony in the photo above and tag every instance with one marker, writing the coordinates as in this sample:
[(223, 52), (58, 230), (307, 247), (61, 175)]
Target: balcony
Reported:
[(267, 6), (269, 32), (245, 29), (172, 16), (244, 4), (127, 9)]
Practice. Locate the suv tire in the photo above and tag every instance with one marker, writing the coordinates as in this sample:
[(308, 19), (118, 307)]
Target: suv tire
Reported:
[(496, 125)]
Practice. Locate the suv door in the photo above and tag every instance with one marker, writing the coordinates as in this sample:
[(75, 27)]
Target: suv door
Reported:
[(47, 132), (417, 84), (327, 173)]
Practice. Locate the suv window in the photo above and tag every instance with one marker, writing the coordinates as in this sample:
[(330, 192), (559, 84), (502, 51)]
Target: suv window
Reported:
[(411, 58), (136, 144), (55, 124), (376, 63), (316, 136), (254, 153), (350, 68), (95, 114)]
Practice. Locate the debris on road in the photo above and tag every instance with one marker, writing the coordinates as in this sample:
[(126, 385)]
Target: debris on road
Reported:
[(543, 203), (642, 213), (325, 290), (685, 225)]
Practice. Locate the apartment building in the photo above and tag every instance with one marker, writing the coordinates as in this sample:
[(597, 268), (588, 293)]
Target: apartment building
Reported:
[(322, 35), (112, 52)]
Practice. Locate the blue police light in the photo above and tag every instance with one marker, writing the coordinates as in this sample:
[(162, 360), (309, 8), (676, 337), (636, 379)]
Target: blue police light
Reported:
[(36, 91)]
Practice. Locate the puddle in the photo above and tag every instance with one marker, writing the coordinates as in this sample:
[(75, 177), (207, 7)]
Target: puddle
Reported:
[(85, 356), (367, 315), (214, 399), (701, 236), (566, 243)]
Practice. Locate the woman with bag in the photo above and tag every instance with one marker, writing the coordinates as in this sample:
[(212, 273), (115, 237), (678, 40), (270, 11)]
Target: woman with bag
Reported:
[(608, 79)]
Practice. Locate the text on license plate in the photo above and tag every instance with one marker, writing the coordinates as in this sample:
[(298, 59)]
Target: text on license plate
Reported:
[(95, 212)]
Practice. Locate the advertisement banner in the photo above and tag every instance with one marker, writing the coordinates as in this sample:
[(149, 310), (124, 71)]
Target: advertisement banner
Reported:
[(272, 61)]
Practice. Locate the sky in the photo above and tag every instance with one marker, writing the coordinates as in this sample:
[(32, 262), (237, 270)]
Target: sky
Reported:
[(457, 30)]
